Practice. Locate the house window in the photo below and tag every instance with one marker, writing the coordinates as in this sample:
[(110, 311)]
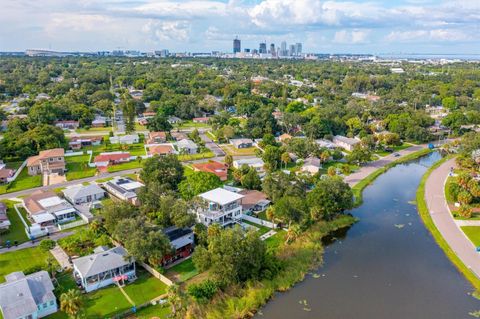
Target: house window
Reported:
[(52, 302), (45, 305)]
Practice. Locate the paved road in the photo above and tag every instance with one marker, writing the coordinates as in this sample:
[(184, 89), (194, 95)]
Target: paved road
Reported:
[(369, 168), (443, 219), (212, 145)]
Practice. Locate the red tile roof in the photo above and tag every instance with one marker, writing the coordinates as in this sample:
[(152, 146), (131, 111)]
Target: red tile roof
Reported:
[(216, 168)]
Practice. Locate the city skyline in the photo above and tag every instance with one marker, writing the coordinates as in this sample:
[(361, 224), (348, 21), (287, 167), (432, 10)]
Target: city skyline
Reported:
[(408, 26)]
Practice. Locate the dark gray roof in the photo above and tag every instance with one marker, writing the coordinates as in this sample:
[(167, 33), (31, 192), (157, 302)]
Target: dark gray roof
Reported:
[(101, 261), (21, 294)]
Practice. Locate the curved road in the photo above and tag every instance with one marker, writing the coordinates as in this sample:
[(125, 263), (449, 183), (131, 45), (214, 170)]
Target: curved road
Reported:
[(443, 218)]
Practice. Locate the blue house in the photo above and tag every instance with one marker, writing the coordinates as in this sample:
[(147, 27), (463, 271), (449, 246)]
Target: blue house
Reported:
[(27, 297)]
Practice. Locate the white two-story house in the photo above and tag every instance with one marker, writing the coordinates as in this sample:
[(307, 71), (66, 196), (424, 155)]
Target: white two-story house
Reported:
[(221, 206)]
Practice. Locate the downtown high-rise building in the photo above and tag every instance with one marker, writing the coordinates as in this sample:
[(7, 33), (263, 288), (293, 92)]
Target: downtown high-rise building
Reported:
[(283, 49), (263, 48), (237, 45), (272, 49), (298, 48), (291, 50)]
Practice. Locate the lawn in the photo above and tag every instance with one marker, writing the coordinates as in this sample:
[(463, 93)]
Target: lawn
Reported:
[(276, 240), (134, 149), (260, 228), (338, 165), (77, 167), (157, 311), (106, 302), (24, 214), (17, 229), (22, 260), (473, 233), (125, 166), (231, 150), (394, 148), (183, 271), (93, 130), (23, 181), (192, 157), (187, 124)]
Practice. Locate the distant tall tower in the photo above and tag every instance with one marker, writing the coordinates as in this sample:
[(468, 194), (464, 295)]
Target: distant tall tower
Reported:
[(272, 49), (263, 48), (298, 48), (283, 49), (237, 45), (291, 50)]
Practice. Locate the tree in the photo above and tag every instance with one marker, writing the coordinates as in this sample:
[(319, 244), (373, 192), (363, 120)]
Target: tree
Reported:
[(465, 211), (159, 123), (167, 171), (47, 244), (285, 159), (251, 180), (290, 209), (464, 198), (175, 299), (198, 182), (332, 171), (359, 155), (270, 213), (229, 160), (354, 125), (330, 197), (203, 291), (115, 212), (71, 302), (272, 156)]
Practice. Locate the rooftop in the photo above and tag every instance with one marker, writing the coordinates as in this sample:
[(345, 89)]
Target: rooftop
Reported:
[(101, 261), (221, 196)]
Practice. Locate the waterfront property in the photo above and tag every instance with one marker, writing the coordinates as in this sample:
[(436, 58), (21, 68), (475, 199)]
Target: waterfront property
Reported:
[(81, 194), (104, 267), (27, 297), (47, 162), (46, 208), (182, 242), (124, 188), (221, 207)]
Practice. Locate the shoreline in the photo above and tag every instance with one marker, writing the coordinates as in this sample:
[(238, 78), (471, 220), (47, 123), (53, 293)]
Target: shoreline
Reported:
[(427, 220), (264, 292)]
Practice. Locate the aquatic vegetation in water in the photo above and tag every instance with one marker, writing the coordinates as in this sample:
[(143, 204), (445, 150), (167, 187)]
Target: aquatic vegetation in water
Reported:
[(399, 226), (475, 314)]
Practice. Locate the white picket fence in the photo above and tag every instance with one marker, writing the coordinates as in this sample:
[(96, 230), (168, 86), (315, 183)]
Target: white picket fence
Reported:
[(259, 221)]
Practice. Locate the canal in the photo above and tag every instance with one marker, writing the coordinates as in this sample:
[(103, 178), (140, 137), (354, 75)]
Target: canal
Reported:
[(385, 266)]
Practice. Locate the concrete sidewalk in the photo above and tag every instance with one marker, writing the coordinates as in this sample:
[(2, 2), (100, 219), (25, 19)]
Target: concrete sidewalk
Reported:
[(443, 218)]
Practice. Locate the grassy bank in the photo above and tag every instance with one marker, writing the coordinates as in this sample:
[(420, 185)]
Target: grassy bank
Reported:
[(300, 257), (358, 189), (427, 220)]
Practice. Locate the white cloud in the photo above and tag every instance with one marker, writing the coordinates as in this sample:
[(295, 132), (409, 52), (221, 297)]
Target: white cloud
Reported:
[(440, 35), (351, 37), (167, 30)]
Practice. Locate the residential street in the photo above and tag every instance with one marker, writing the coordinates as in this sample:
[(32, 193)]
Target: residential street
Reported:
[(369, 168), (443, 219)]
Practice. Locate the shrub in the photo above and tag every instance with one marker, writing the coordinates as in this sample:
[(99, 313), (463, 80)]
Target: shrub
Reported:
[(465, 211), (204, 291), (47, 244), (464, 198)]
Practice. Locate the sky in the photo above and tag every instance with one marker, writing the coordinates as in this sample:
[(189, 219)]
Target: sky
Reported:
[(354, 26)]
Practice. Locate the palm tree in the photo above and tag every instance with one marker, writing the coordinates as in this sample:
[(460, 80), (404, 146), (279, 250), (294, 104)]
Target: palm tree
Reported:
[(292, 233), (270, 213), (324, 156), (286, 159), (174, 298), (95, 226), (71, 302)]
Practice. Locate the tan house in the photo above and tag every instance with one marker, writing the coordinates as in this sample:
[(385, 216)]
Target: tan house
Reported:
[(47, 162), (157, 137)]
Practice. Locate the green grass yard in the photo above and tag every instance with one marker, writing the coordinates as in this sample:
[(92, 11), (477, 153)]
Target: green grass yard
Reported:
[(394, 148), (124, 166), (23, 181), (21, 260), (192, 157), (157, 311), (260, 228), (77, 167), (17, 229), (188, 124), (473, 233), (109, 301), (183, 271), (231, 150)]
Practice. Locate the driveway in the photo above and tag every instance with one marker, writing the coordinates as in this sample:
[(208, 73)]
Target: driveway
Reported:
[(443, 219), (211, 145)]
